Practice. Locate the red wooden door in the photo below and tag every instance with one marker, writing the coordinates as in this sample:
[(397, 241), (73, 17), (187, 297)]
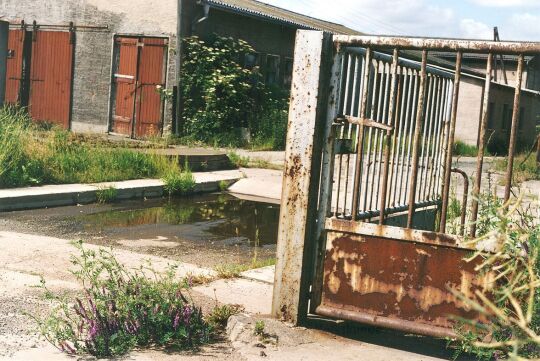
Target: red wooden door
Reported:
[(151, 73), (138, 107), (125, 80), (14, 66), (50, 77)]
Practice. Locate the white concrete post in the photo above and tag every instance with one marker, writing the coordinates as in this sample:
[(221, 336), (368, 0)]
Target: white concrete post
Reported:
[(307, 114)]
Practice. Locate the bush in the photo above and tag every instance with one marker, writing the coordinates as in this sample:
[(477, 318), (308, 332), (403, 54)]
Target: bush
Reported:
[(121, 309), (220, 96), (463, 149), (178, 182), (106, 194), (509, 245)]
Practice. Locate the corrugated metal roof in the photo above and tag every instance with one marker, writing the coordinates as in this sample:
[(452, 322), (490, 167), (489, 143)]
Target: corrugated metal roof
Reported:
[(280, 15)]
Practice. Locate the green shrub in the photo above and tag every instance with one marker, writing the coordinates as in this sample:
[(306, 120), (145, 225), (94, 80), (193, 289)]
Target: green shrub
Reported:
[(259, 328), (177, 183), (220, 315), (106, 194), (120, 309), (220, 96), (237, 160), (524, 168), (31, 155), (509, 243), (463, 149)]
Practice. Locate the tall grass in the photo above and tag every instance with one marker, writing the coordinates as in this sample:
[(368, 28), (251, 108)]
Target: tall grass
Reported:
[(524, 169), (32, 156)]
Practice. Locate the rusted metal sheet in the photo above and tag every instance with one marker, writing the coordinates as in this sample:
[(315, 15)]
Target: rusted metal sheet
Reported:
[(440, 44), (125, 80), (51, 77), (372, 276), (140, 68), (14, 72), (151, 73)]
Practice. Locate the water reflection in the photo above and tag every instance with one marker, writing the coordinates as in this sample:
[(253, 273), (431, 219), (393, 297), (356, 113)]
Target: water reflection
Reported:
[(220, 215)]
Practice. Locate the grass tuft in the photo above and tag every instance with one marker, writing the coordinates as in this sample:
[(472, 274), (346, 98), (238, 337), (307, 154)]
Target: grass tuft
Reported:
[(106, 194)]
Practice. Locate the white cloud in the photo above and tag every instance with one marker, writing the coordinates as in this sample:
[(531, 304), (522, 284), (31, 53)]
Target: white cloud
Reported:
[(507, 3), (472, 29), (523, 26)]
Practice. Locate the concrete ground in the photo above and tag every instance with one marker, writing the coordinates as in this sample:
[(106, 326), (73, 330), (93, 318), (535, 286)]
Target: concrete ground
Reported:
[(25, 257)]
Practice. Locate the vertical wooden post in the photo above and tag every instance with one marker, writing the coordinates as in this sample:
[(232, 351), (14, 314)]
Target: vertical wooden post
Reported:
[(4, 32), (307, 114)]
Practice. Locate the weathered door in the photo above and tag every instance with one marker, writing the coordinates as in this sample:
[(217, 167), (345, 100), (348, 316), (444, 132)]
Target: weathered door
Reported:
[(125, 81), (51, 73), (14, 75), (137, 104)]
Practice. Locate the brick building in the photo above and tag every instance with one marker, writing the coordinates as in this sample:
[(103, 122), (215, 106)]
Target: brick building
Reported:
[(99, 74)]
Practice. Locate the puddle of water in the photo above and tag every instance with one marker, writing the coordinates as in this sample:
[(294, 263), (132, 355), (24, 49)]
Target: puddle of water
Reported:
[(218, 218)]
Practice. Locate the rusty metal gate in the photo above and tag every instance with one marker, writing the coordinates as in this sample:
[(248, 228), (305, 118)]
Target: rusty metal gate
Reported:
[(367, 182), (140, 67)]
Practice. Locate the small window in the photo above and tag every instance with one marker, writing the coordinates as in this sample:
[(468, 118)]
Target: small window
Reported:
[(287, 78), (506, 118), (521, 118), (251, 60), (10, 54), (491, 116), (272, 69)]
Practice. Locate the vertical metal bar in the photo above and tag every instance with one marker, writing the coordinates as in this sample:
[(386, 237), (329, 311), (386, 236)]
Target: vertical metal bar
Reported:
[(434, 137), (440, 140), (513, 132), (464, 200), (406, 125), (371, 136), (417, 130), (388, 138), (428, 123), (410, 135), (396, 134), (360, 137), (481, 146), (450, 144)]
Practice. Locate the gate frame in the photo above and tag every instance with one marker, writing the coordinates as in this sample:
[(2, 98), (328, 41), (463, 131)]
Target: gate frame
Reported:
[(302, 217)]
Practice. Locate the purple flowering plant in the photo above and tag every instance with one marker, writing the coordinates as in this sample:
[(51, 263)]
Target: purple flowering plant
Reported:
[(120, 309)]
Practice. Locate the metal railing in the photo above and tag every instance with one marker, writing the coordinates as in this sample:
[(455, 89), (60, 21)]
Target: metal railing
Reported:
[(395, 125)]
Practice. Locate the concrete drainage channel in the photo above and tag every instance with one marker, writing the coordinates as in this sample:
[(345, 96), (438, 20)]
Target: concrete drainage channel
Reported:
[(72, 194)]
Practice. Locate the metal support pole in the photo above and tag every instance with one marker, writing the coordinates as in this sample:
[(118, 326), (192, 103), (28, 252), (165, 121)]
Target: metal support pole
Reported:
[(179, 37), (481, 146), (451, 137), (416, 139), (513, 132), (388, 137)]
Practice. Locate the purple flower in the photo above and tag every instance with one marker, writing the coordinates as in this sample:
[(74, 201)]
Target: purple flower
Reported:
[(187, 314), (176, 320)]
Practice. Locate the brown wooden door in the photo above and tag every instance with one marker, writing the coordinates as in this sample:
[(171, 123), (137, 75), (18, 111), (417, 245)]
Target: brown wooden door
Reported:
[(14, 70), (137, 106), (50, 77), (151, 74), (125, 80)]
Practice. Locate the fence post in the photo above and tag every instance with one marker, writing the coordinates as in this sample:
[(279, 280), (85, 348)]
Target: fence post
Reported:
[(298, 214), (4, 33)]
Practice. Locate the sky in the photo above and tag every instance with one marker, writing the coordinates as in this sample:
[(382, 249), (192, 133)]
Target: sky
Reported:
[(516, 19)]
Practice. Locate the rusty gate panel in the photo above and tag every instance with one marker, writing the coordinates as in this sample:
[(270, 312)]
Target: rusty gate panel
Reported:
[(125, 80), (50, 77), (397, 278), (14, 72), (151, 73)]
